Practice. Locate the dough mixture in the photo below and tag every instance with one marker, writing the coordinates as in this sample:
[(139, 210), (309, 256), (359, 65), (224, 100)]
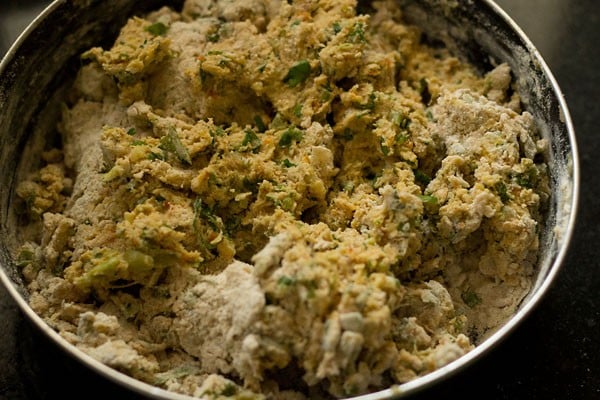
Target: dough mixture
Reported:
[(264, 199)]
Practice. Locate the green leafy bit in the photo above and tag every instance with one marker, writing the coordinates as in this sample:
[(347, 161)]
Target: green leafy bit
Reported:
[(26, 256), (289, 136), (384, 149), (286, 281), (298, 73), (287, 163), (213, 37), (138, 143), (502, 191), (400, 138), (278, 122), (357, 34), (337, 28), (470, 298), (400, 120), (157, 29), (131, 131), (428, 199), (421, 177), (260, 125), (251, 141), (171, 143), (297, 110), (370, 104), (217, 131)]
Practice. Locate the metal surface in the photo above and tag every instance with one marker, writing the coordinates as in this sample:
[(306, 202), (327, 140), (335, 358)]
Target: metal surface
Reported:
[(44, 59)]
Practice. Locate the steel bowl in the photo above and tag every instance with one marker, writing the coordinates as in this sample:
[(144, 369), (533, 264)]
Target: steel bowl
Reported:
[(37, 71)]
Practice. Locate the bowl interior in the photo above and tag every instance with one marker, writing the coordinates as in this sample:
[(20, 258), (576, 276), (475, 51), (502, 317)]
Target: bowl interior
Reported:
[(37, 71)]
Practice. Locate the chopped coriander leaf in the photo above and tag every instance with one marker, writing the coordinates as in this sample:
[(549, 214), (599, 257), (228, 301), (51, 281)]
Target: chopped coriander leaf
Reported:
[(229, 390), (260, 125), (428, 199), (470, 298), (384, 149), (157, 29), (400, 120), (131, 131), (400, 139), (155, 156), (421, 177), (298, 110), (214, 53), (286, 281), (213, 37), (289, 136), (337, 28), (357, 34), (171, 143), (502, 191), (217, 131), (287, 163), (138, 143), (297, 74), (370, 104), (251, 141)]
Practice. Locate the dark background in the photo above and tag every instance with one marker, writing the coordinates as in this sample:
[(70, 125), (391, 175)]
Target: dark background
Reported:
[(553, 355)]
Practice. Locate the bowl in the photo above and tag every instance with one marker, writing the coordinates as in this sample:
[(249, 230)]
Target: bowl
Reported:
[(37, 71)]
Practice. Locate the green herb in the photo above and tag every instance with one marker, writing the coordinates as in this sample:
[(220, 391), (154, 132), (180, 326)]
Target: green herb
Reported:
[(286, 281), (213, 37), (429, 116), (278, 122), (138, 143), (26, 257), (470, 298), (400, 120), (527, 179), (384, 149), (157, 29), (297, 110), (205, 213), (421, 177), (357, 34), (131, 131), (172, 144), (217, 131), (400, 139), (296, 22), (502, 191), (370, 104), (155, 156), (349, 187), (337, 28), (260, 125), (428, 199), (214, 53), (287, 163), (297, 74), (229, 390), (289, 136), (251, 141)]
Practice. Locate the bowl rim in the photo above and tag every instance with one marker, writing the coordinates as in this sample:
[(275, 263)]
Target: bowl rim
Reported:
[(395, 391)]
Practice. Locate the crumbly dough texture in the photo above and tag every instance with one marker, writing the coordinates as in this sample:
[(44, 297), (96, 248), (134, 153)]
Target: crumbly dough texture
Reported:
[(282, 200)]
